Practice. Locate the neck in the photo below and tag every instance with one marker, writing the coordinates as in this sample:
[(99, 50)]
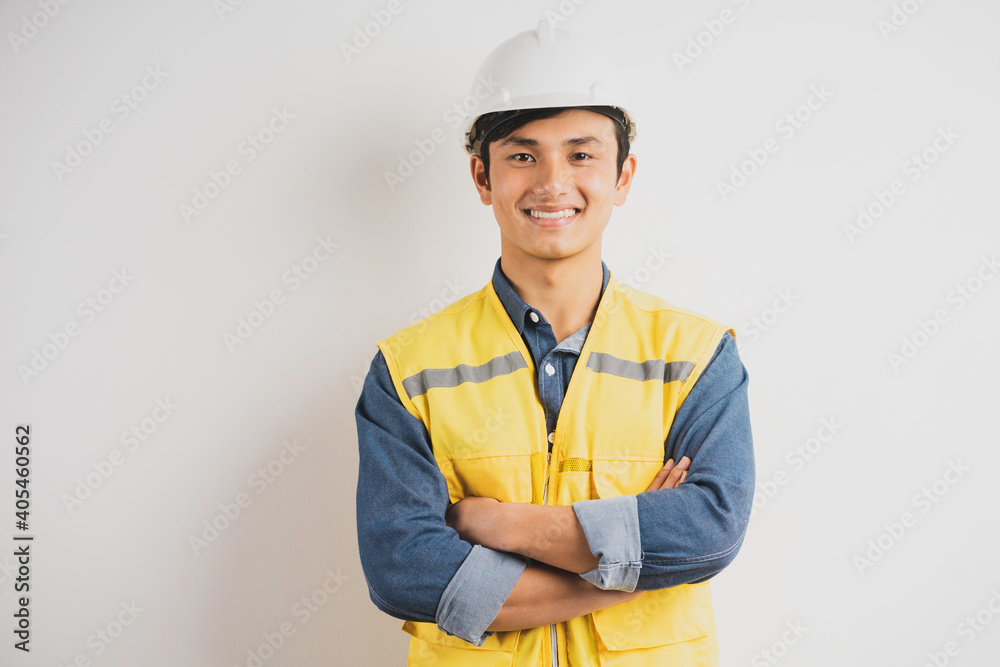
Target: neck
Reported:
[(565, 290)]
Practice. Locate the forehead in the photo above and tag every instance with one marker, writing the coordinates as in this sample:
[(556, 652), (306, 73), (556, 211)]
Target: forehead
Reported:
[(568, 123)]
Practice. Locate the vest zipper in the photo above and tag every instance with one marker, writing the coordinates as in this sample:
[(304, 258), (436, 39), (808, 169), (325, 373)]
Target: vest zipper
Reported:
[(545, 489), (552, 628)]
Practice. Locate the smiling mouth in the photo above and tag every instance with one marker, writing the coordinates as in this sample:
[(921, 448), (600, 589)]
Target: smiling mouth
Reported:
[(553, 219)]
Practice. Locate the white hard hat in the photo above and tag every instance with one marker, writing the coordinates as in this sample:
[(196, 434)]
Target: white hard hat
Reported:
[(549, 67)]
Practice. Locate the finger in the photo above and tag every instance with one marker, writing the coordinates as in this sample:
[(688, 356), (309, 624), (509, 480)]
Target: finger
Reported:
[(684, 476), (660, 476), (674, 478)]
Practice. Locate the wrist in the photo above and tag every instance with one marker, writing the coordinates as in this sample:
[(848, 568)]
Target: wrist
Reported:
[(510, 521), (540, 531)]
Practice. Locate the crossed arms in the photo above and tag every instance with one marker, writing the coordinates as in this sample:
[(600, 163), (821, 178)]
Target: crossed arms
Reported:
[(463, 567), (552, 535)]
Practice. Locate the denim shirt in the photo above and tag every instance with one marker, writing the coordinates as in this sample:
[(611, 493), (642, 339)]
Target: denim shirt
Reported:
[(418, 569)]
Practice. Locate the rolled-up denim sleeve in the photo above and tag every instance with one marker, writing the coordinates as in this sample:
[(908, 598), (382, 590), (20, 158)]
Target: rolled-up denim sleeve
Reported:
[(416, 566), (611, 526), (477, 591)]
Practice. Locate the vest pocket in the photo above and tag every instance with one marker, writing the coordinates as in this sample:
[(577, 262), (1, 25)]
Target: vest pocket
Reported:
[(620, 478), (506, 478), (677, 621), (429, 645)]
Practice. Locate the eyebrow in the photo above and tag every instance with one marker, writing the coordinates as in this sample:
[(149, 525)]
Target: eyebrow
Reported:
[(518, 140)]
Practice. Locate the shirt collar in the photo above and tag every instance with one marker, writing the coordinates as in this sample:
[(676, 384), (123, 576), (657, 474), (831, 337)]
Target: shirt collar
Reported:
[(516, 308)]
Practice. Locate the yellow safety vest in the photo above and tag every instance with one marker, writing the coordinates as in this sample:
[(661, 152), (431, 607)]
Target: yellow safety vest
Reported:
[(466, 373)]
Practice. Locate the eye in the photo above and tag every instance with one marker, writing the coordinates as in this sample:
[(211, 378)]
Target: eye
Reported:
[(585, 155), (515, 157)]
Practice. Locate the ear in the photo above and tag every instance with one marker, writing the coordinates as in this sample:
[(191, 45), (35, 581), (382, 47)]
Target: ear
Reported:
[(479, 178), (625, 181)]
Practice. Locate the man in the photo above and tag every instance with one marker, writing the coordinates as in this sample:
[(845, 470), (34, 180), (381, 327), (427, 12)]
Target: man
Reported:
[(554, 466)]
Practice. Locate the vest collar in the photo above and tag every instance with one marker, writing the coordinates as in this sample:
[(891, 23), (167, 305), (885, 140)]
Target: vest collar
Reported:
[(517, 310), (604, 309)]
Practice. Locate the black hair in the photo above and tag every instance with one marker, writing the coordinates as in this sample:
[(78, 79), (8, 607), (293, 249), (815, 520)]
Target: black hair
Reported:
[(517, 119)]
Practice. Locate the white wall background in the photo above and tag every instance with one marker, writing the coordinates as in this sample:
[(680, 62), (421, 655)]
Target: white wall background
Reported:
[(161, 337)]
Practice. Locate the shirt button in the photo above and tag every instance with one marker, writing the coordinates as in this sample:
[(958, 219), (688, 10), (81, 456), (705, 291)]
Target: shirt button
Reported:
[(552, 436), (549, 369), (533, 315)]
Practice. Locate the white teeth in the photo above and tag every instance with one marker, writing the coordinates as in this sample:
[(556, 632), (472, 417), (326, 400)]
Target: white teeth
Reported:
[(551, 216)]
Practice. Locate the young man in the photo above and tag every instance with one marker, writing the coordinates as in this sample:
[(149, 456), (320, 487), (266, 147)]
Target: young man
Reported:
[(554, 466)]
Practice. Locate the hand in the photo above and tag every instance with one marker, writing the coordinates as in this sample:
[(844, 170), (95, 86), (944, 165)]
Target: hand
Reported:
[(477, 520), (670, 476)]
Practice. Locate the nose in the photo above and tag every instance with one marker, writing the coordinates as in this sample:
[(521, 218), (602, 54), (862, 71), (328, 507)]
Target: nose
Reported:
[(552, 178)]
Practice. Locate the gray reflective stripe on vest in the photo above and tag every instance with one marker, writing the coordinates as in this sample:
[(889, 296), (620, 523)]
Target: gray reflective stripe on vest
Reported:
[(418, 384), (654, 369)]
